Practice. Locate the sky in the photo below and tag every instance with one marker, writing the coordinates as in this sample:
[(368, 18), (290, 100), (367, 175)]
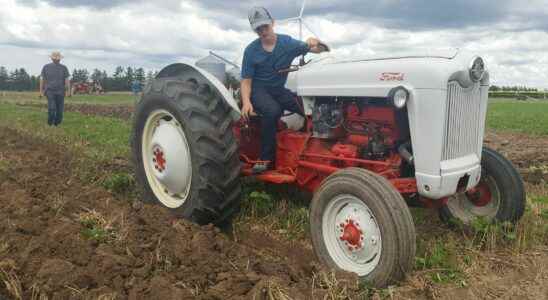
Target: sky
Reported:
[(511, 35)]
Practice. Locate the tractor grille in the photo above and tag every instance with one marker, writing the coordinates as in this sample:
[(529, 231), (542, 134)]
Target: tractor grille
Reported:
[(464, 121)]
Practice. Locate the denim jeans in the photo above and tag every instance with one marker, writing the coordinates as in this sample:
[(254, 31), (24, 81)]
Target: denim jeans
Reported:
[(270, 103), (56, 105)]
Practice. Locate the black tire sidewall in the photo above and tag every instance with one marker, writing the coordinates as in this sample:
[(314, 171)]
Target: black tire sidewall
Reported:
[(151, 103), (508, 182)]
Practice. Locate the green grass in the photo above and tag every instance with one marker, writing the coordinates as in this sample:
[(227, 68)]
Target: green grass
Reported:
[(114, 98), (101, 138), (518, 116)]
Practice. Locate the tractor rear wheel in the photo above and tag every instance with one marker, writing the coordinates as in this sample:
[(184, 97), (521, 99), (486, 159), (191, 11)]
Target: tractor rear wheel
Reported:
[(184, 151), (499, 196), (360, 223)]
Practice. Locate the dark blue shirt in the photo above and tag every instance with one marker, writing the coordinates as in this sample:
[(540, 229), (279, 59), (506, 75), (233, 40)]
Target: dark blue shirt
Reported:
[(55, 74), (262, 66)]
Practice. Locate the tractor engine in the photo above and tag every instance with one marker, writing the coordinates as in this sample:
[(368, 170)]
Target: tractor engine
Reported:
[(365, 128)]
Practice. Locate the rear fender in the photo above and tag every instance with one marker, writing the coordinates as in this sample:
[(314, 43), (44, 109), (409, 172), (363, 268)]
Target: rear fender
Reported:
[(186, 72)]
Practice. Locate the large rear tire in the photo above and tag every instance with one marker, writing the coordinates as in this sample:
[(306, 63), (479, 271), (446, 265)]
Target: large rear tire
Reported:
[(184, 151), (498, 197), (360, 223)]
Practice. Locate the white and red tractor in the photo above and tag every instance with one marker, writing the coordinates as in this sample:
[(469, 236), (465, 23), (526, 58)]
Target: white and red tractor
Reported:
[(378, 133)]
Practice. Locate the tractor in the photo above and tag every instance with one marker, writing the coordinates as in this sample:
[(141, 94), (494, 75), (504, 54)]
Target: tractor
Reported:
[(81, 87), (378, 134)]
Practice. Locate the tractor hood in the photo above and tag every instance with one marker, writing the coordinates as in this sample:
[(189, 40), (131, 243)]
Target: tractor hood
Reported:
[(375, 76), (424, 53)]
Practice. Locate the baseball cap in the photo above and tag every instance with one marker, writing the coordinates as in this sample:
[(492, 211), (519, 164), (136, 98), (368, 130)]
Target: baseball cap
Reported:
[(259, 16)]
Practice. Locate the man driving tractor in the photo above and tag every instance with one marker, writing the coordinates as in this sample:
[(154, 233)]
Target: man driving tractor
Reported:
[(263, 79)]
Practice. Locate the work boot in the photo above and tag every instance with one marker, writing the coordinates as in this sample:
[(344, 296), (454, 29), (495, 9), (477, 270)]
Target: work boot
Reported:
[(260, 167)]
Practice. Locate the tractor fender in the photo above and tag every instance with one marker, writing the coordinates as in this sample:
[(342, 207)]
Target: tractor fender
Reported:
[(201, 76)]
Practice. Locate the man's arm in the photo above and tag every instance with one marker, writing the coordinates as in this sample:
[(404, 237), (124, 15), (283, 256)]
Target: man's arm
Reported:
[(42, 83), (245, 89), (67, 87), (67, 83)]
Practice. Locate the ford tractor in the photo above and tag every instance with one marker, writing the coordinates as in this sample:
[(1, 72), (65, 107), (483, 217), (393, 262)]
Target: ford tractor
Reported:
[(378, 134)]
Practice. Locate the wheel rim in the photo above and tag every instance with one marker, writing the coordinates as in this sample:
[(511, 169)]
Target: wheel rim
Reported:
[(351, 234), (481, 201), (166, 158)]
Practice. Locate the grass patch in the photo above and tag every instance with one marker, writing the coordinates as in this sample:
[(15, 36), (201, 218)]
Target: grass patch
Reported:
[(530, 232), (279, 209), (438, 258), (4, 165), (114, 98), (12, 283), (119, 183), (100, 138), (518, 116), (95, 226)]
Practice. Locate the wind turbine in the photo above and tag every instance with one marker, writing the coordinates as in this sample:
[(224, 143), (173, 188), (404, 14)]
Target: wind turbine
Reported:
[(299, 19), (301, 24)]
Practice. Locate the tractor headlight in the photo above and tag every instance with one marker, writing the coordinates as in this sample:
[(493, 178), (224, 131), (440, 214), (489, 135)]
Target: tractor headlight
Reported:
[(399, 96), (477, 69)]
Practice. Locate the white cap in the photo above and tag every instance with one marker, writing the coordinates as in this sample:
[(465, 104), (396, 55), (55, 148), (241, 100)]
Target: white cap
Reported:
[(259, 16)]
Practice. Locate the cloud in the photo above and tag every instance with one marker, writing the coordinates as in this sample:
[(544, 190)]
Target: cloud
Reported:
[(512, 37)]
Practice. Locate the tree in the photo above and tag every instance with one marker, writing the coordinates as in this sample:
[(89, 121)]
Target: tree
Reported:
[(140, 75), (20, 80), (4, 78), (80, 75), (129, 78), (118, 80), (150, 76)]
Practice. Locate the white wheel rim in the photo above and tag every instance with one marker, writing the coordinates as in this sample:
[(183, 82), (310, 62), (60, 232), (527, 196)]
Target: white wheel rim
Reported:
[(166, 158), (462, 208), (351, 234)]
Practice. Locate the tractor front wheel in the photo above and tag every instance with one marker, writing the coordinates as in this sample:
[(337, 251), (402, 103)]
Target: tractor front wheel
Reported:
[(185, 154), (499, 196), (359, 223)]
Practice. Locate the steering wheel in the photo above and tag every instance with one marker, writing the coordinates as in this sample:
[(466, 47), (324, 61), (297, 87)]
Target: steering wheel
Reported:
[(323, 48)]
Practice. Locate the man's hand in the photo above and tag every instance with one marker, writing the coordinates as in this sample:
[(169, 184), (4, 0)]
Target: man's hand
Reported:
[(247, 110), (316, 46), (312, 42)]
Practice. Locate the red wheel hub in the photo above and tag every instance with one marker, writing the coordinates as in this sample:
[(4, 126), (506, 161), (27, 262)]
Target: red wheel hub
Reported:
[(351, 234), (159, 160), (480, 195)]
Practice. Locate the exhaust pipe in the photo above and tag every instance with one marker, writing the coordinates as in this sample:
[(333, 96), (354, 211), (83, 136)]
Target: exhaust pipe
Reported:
[(402, 150)]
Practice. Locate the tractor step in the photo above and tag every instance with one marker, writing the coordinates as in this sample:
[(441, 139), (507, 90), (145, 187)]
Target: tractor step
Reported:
[(271, 176)]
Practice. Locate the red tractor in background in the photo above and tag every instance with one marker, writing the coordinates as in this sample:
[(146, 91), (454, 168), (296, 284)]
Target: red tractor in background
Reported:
[(87, 88), (80, 88)]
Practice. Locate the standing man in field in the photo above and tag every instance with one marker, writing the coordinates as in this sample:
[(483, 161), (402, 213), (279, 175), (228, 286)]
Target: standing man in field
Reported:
[(54, 83), (263, 79)]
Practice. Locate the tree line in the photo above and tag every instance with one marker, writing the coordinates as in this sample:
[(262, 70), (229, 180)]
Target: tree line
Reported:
[(516, 88), (122, 78)]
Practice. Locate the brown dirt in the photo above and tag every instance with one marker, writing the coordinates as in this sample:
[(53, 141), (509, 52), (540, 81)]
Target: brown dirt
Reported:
[(144, 253), (147, 254), (528, 153)]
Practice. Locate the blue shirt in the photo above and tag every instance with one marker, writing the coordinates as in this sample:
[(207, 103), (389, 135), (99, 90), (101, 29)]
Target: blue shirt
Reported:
[(55, 74), (262, 66)]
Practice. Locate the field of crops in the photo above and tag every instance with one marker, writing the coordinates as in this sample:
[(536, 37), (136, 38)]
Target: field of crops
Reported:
[(72, 225)]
